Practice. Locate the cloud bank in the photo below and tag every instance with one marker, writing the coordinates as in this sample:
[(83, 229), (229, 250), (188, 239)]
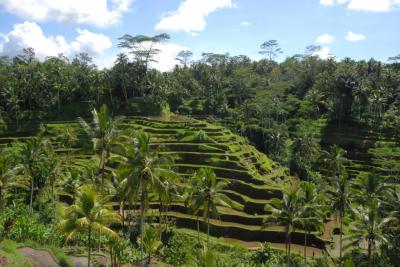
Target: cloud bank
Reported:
[(95, 12), (190, 17)]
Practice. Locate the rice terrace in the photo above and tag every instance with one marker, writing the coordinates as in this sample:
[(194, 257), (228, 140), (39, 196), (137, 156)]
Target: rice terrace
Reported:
[(121, 149)]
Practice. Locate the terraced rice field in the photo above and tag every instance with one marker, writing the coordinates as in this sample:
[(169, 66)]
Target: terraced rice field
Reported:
[(253, 178)]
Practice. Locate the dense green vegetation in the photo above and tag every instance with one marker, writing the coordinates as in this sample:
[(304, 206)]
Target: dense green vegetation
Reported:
[(143, 165)]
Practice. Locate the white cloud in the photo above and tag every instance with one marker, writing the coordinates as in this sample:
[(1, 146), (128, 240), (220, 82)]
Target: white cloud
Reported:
[(325, 39), (245, 23), (95, 12), (29, 34), (365, 5), (191, 14), (166, 57), (323, 53), (327, 2), (354, 37)]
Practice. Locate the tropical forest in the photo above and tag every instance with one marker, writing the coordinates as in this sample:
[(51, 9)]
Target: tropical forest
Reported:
[(222, 160)]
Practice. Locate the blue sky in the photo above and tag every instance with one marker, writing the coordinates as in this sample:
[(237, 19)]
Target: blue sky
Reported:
[(359, 29)]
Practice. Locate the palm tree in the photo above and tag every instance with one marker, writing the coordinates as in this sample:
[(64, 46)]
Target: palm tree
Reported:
[(11, 178), (288, 212), (335, 162), (369, 186), (194, 188), (370, 227), (32, 152), (209, 195), (144, 171), (89, 214), (103, 131), (312, 211), (151, 241), (340, 195)]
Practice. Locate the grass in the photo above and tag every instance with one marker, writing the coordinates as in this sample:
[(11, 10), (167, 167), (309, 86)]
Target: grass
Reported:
[(8, 250)]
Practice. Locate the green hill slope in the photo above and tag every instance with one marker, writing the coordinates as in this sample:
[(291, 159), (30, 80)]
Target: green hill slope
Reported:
[(253, 178)]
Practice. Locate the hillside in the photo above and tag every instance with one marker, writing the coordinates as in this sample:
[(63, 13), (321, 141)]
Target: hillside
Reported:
[(253, 178)]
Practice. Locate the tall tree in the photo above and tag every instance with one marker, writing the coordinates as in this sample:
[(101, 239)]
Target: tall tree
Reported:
[(32, 154), (145, 171), (312, 211), (103, 131), (90, 213), (370, 227), (340, 194), (11, 177), (143, 48), (271, 49), (288, 212), (184, 57), (209, 195)]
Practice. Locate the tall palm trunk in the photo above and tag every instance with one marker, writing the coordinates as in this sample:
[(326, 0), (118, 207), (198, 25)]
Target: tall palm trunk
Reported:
[(31, 197), (370, 252), (287, 247), (198, 228), (290, 247), (341, 237), (89, 244), (208, 229), (102, 166), (305, 247), (142, 208)]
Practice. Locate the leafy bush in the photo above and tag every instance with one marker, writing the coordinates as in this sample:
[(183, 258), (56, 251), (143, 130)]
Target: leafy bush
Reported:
[(178, 249), (16, 224)]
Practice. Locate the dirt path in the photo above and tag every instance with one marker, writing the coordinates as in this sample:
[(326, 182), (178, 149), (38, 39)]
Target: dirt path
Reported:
[(38, 257), (81, 261)]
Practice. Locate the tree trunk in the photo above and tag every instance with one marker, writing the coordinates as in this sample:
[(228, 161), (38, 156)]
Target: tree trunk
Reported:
[(305, 247), (142, 203), (290, 246), (208, 230), (31, 197), (58, 100), (89, 244), (370, 252), (341, 238), (102, 166), (198, 228), (287, 247)]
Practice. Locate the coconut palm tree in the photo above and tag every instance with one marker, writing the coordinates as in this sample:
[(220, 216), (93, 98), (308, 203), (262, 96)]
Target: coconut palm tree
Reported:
[(340, 192), (209, 195), (145, 171), (33, 151), (312, 213), (370, 228), (90, 213), (340, 195), (11, 178), (288, 212), (194, 188), (369, 186), (103, 131), (335, 161)]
